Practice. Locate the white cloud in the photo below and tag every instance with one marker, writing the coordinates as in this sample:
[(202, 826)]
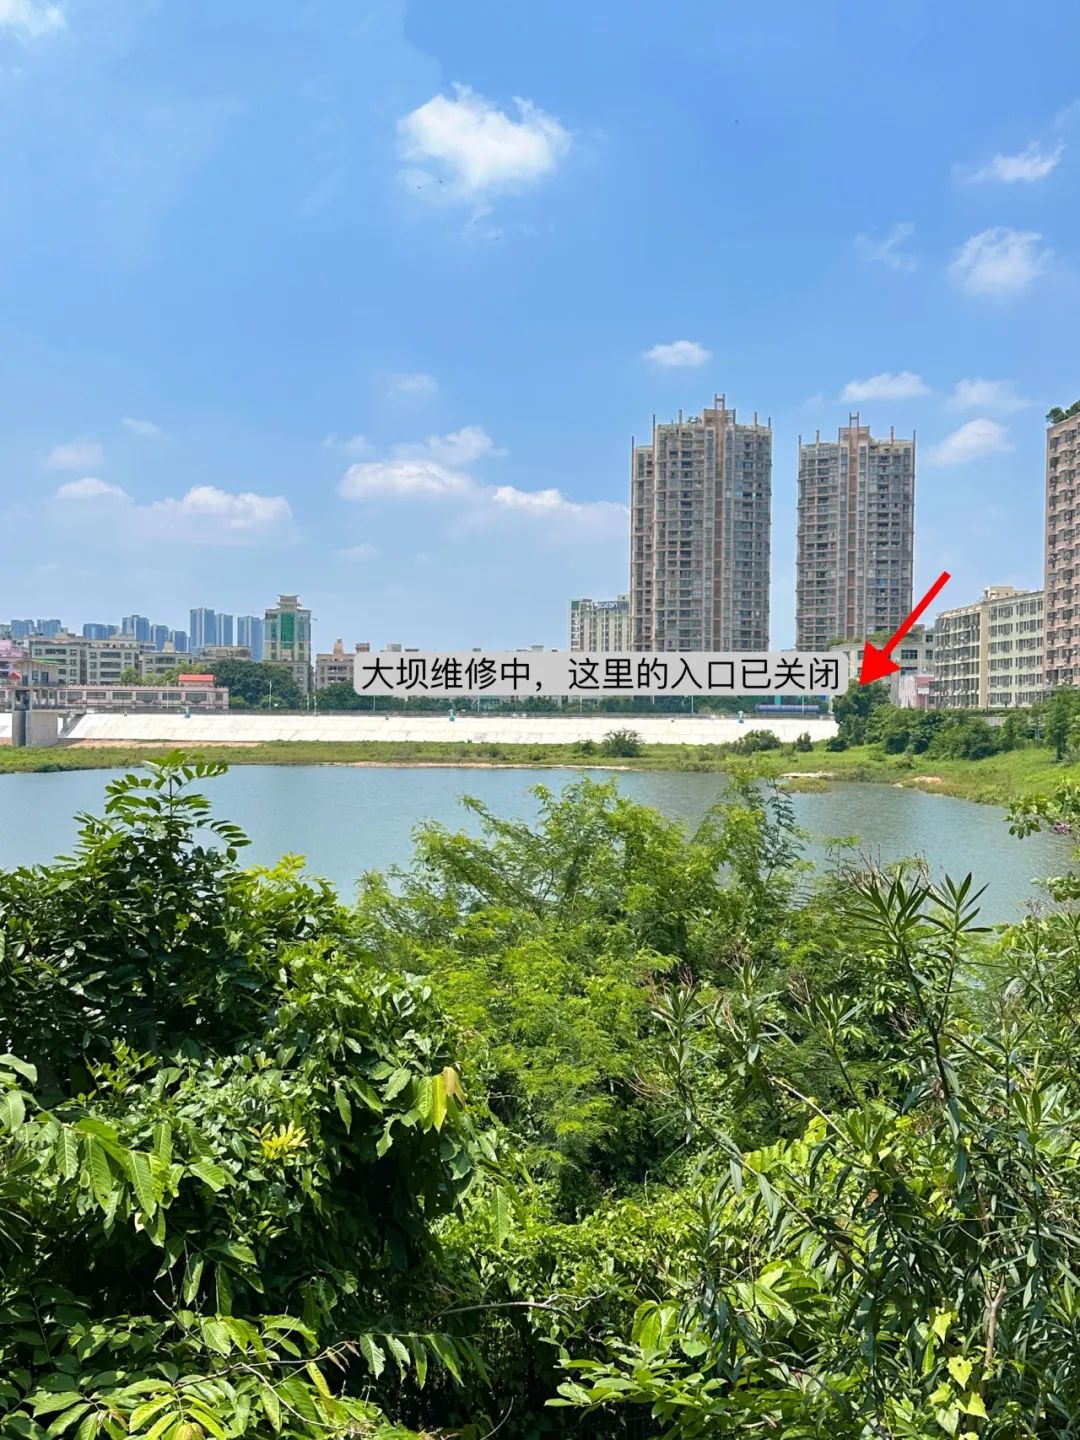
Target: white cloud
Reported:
[(888, 249), (1031, 164), (403, 479), (475, 148), (221, 517), (30, 18), (204, 515), (553, 504), (413, 383), (347, 444), (463, 447), (999, 395), (677, 354), (89, 488), (144, 428), (359, 554), (973, 441), (999, 261), (904, 385), (83, 454), (416, 474)]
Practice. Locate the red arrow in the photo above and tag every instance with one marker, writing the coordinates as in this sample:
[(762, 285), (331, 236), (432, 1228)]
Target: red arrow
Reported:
[(876, 663)]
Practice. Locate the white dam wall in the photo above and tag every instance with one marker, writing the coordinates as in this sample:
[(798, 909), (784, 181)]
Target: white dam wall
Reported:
[(251, 729)]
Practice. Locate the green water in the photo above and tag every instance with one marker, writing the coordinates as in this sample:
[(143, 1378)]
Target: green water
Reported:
[(348, 820)]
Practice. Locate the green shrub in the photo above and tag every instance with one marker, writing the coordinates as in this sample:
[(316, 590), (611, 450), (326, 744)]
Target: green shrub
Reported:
[(622, 743)]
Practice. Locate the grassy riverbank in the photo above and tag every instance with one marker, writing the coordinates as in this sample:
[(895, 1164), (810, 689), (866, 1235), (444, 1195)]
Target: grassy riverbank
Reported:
[(996, 780)]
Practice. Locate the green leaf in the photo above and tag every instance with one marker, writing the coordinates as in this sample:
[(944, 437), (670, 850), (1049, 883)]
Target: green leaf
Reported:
[(161, 1426), (318, 1379), (941, 1322), (223, 1290), (341, 1100), (444, 1349), (420, 1359), (398, 1350), (21, 1067), (271, 1405), (438, 1101), (69, 1154), (142, 1181), (973, 1405), (376, 1359), (960, 1369), (217, 1336), (102, 1182), (66, 1421), (12, 1110), (503, 1214), (142, 1413), (210, 1174), (396, 1083), (163, 1141), (48, 1403), (192, 1278)]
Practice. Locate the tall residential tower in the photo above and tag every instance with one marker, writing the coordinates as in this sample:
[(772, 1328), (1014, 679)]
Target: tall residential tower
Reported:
[(1062, 613), (700, 499), (856, 536)]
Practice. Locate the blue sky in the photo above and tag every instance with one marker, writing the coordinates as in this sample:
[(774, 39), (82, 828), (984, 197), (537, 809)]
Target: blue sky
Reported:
[(366, 300)]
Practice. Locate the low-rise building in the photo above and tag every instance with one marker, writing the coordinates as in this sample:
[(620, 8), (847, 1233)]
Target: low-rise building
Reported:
[(914, 655), (126, 699), (64, 655), (108, 660), (335, 666), (164, 662), (601, 625), (989, 655)]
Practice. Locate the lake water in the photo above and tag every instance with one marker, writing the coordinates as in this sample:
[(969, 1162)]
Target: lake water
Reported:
[(347, 820)]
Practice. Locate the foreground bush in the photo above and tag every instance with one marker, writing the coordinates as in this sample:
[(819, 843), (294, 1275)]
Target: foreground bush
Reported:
[(225, 1138), (590, 1126)]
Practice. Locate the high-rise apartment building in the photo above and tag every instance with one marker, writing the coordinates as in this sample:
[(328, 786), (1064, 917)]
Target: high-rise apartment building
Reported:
[(98, 632), (601, 625), (1062, 554), (178, 639), (989, 655), (137, 626), (202, 628), (224, 630), (287, 638), (249, 632), (856, 536), (700, 500)]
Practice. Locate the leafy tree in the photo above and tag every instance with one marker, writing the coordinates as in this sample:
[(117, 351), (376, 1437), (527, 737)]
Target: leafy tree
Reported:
[(852, 710), (130, 676), (252, 680), (341, 697), (1055, 415), (1057, 715)]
